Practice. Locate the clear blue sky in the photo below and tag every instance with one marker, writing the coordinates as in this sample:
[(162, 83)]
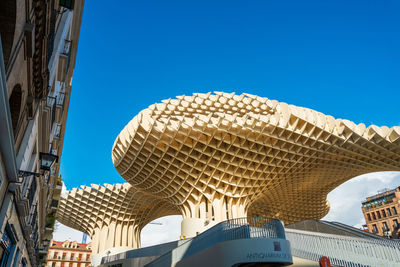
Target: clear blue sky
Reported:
[(341, 58)]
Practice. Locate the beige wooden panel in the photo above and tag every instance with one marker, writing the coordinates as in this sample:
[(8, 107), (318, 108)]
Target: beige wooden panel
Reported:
[(220, 156), (265, 156), (103, 211)]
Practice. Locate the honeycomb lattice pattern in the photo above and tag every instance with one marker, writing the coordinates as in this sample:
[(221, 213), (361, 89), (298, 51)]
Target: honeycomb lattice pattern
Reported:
[(209, 152), (221, 156), (112, 213)]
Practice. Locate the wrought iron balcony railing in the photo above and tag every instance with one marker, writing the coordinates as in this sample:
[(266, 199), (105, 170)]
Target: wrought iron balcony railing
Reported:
[(66, 49)]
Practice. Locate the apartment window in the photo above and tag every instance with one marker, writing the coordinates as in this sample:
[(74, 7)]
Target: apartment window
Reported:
[(67, 3), (374, 228), (383, 213), (394, 210), (378, 214), (7, 245), (395, 223), (385, 226), (373, 215), (53, 264), (369, 217), (389, 212)]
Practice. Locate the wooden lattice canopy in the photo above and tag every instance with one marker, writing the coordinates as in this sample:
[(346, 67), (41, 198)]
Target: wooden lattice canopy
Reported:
[(220, 156)]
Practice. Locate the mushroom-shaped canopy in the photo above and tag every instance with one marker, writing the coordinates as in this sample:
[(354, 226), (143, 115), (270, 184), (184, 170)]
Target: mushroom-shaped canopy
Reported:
[(243, 154), (120, 210)]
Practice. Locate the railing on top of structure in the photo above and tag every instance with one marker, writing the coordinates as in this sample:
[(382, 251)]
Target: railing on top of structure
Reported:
[(240, 228), (343, 250), (251, 227)]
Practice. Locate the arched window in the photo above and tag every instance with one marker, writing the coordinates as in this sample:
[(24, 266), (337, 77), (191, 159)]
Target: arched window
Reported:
[(15, 106), (8, 17)]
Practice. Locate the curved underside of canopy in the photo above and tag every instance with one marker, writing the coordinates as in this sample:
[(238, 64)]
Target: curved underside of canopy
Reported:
[(221, 156), (272, 158)]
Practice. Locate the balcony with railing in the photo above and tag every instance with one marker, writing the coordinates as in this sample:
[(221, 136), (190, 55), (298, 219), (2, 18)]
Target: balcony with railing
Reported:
[(65, 258), (22, 201), (56, 131), (377, 204), (53, 149), (54, 204), (51, 103), (31, 190), (64, 60), (55, 103), (61, 100), (380, 199), (60, 106), (66, 48), (55, 135), (53, 169), (57, 188)]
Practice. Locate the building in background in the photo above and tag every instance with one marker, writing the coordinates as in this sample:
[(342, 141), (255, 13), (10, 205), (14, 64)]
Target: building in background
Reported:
[(39, 41), (382, 213), (84, 238), (68, 254)]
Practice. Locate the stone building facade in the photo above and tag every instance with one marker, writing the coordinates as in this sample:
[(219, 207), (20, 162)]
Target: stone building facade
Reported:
[(39, 41), (382, 213), (68, 254)]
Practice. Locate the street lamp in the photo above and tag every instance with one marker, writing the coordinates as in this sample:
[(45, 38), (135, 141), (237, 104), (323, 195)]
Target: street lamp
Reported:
[(47, 160)]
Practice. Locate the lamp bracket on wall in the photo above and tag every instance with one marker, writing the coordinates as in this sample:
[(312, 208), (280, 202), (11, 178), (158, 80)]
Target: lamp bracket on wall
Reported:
[(27, 173)]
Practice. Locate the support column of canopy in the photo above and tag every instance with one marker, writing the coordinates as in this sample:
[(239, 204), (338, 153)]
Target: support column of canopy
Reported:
[(94, 235), (115, 234), (206, 212)]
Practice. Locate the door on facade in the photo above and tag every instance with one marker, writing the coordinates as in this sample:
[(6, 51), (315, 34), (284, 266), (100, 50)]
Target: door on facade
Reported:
[(7, 243)]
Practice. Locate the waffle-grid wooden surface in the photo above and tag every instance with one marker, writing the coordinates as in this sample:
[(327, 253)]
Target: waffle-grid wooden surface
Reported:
[(221, 156), (224, 155), (113, 215)]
